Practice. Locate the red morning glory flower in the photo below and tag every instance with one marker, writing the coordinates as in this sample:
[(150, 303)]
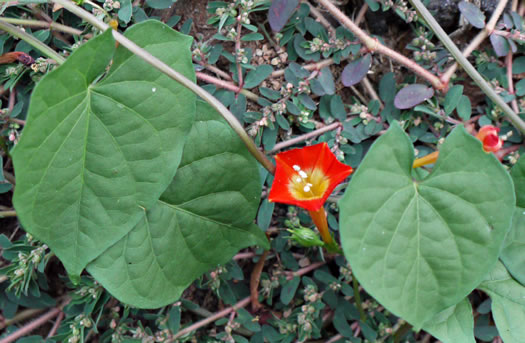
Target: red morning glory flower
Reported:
[(306, 177)]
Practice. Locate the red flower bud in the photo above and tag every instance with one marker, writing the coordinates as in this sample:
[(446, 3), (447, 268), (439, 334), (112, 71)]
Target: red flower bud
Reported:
[(488, 135)]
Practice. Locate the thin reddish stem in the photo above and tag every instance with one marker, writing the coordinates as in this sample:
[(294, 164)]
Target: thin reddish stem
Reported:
[(309, 67), (213, 69), (226, 85), (505, 151), (305, 270), (361, 14), (244, 255), (335, 338), (26, 329), (243, 303), (321, 19), (54, 329), (12, 100), (255, 278), (306, 136), (374, 45), (237, 50), (510, 81)]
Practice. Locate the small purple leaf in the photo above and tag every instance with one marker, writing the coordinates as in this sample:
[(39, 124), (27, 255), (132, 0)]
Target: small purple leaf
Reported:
[(412, 95), (507, 21), (356, 70), (513, 46), (473, 14), (500, 45), (279, 13)]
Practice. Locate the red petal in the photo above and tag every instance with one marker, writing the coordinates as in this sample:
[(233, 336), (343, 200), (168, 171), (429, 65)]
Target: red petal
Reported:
[(492, 143), (311, 157)]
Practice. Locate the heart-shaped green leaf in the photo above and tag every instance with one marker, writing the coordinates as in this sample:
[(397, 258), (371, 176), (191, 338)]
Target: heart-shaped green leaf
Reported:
[(94, 155), (205, 216), (508, 303), (453, 325), (419, 247), (513, 255)]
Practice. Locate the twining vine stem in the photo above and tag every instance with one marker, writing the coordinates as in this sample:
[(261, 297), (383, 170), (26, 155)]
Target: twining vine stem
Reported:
[(44, 49), (41, 23)]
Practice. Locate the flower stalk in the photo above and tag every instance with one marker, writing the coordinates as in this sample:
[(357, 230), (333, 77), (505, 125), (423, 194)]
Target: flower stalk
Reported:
[(319, 219)]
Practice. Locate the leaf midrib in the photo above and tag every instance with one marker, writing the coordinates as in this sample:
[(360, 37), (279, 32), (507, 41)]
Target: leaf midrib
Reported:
[(176, 208)]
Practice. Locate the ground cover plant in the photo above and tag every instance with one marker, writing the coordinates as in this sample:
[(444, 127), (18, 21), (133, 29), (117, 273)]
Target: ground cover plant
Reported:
[(262, 171)]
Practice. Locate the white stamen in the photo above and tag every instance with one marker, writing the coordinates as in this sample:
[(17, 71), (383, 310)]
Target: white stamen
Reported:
[(306, 188), (296, 167), (298, 179), (309, 184), (303, 174)]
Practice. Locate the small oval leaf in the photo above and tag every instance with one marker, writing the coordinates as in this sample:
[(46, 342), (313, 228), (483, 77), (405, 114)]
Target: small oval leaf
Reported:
[(473, 14), (412, 95), (464, 108), (279, 13), (356, 70), (327, 81), (500, 45), (255, 77)]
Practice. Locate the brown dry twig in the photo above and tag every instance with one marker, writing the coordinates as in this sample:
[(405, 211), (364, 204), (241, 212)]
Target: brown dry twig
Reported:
[(26, 329), (254, 282)]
